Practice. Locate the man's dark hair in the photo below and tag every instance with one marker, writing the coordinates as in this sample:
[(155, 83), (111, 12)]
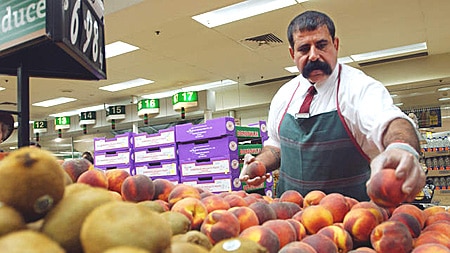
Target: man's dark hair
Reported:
[(309, 21)]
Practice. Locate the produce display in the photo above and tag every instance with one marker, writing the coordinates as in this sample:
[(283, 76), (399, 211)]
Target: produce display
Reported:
[(73, 207)]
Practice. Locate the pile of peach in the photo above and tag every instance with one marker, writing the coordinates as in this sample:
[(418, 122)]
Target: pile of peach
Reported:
[(316, 222)]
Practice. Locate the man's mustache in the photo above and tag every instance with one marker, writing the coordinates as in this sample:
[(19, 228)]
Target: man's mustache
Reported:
[(316, 65)]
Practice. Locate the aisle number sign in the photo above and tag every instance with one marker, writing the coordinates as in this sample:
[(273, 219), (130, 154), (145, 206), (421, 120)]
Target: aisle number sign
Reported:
[(39, 127), (185, 99), (148, 106), (62, 122), (88, 118), (115, 112)]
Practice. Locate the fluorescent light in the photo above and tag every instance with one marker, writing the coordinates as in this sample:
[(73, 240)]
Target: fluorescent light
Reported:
[(212, 85), (399, 104), (292, 69), (118, 48), (2, 88), (345, 59), (390, 52), (241, 10), (126, 85), (206, 86), (444, 89), (78, 111), (56, 101), (394, 95), (444, 99)]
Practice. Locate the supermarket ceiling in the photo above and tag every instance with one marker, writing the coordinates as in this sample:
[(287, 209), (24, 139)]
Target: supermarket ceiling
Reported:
[(176, 51)]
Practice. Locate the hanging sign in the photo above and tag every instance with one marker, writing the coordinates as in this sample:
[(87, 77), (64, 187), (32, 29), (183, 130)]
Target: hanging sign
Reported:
[(62, 122), (186, 99), (148, 106), (83, 33), (88, 118), (115, 112), (39, 127)]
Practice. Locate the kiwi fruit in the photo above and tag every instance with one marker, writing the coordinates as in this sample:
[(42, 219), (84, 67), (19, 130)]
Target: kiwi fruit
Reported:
[(32, 182)]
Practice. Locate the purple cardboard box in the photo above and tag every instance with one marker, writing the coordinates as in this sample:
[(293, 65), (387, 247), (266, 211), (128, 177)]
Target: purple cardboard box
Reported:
[(262, 128), (214, 183), (163, 137), (215, 165), (155, 154), (113, 158), (168, 168), (212, 128), (128, 168), (208, 148), (119, 142)]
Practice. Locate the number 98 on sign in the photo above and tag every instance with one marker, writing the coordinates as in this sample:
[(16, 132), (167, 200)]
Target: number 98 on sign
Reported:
[(84, 31)]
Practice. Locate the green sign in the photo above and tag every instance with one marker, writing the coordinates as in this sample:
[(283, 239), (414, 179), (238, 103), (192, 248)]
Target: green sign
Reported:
[(62, 122), (148, 106), (185, 99), (21, 21)]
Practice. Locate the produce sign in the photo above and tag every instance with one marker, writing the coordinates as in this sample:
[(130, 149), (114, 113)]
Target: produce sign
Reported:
[(66, 36), (40, 127), (185, 99), (148, 106), (31, 25), (62, 122), (88, 118)]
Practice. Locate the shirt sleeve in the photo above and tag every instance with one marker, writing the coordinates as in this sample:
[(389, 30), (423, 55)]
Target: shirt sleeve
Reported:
[(368, 109)]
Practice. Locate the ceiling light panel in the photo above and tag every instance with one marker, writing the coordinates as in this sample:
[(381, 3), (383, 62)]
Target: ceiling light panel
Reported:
[(240, 11), (390, 52), (118, 48), (53, 102), (126, 85)]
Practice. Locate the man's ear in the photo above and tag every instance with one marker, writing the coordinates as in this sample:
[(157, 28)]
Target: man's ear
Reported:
[(291, 52), (336, 43)]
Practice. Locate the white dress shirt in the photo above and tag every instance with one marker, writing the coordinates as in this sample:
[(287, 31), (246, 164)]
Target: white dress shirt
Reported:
[(364, 102)]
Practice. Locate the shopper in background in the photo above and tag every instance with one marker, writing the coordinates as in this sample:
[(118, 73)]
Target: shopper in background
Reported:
[(88, 156), (352, 129), (35, 144)]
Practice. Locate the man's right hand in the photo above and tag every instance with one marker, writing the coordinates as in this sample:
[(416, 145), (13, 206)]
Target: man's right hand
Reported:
[(244, 176)]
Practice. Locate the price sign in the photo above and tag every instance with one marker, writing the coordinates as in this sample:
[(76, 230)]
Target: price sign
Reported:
[(88, 118), (84, 33), (185, 99), (39, 127), (148, 106), (62, 122), (115, 112)]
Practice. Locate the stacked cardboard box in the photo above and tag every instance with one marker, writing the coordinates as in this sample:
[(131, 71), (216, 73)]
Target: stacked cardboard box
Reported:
[(156, 156), (114, 153)]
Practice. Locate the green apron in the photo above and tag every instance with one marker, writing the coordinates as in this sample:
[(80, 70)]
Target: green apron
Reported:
[(318, 153)]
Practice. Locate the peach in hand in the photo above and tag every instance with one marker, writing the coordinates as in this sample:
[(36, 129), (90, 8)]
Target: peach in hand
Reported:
[(385, 189), (256, 169)]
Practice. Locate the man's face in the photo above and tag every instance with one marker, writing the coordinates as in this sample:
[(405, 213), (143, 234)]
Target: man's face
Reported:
[(315, 53)]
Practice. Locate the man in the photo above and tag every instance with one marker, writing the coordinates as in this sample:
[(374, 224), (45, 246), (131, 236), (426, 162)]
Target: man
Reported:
[(351, 131)]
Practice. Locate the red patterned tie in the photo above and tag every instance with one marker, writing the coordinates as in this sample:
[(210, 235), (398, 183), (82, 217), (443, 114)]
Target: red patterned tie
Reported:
[(307, 103)]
